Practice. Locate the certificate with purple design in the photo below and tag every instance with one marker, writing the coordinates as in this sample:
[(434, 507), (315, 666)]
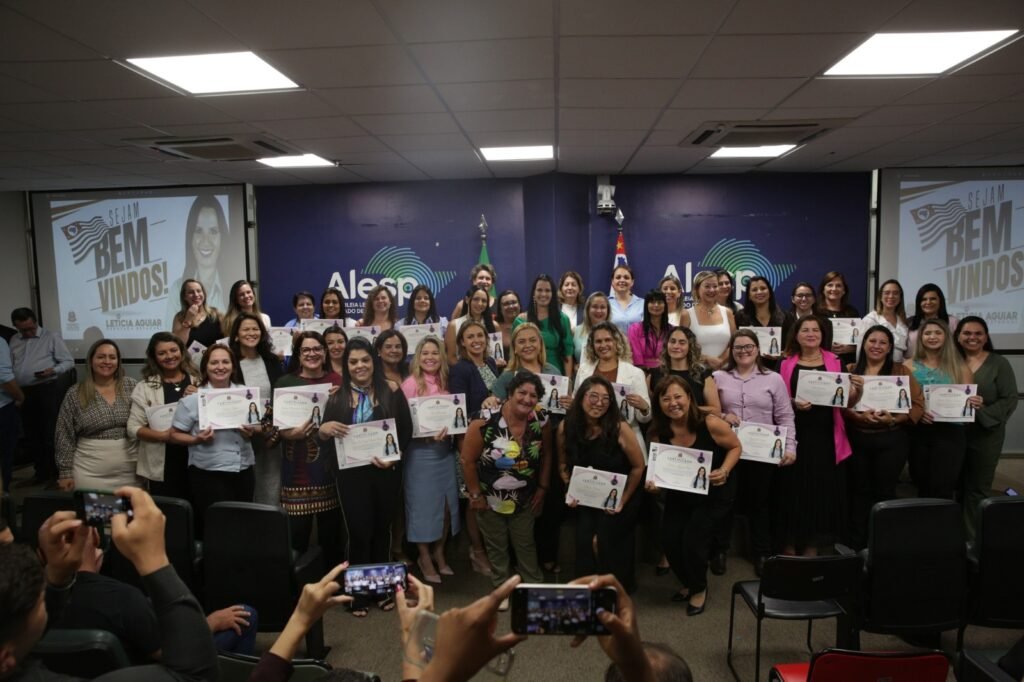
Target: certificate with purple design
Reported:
[(229, 408), (621, 392), (948, 402), (281, 340), (761, 442), (296, 405), (846, 330), (555, 387), (160, 417), (414, 333), (889, 393), (496, 345), (829, 389), (595, 488), (432, 413), (368, 440), (320, 325), (369, 333), (769, 339), (678, 468)]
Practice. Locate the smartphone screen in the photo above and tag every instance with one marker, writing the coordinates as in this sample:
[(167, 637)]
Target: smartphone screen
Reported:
[(1011, 492), (559, 609), (97, 507), (374, 580)]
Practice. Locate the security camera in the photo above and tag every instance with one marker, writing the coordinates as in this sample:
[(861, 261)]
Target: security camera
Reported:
[(605, 192)]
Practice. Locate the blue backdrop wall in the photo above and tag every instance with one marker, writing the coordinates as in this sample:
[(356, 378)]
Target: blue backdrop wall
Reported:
[(788, 227)]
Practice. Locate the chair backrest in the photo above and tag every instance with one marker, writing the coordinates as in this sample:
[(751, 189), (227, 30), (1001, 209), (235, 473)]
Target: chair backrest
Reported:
[(7, 510), (36, 508), (840, 665), (179, 539), (238, 667), (916, 566), (247, 558), (998, 592), (812, 578), (975, 666), (81, 653)]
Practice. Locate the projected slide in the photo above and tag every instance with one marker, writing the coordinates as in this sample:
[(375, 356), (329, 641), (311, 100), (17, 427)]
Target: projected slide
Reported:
[(962, 229), (112, 263)]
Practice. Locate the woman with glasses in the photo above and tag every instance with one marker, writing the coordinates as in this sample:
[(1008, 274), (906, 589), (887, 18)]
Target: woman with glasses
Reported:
[(308, 493), (929, 304), (803, 300), (646, 338), (711, 322), (545, 313), (997, 395), (593, 435), (890, 314), (750, 392)]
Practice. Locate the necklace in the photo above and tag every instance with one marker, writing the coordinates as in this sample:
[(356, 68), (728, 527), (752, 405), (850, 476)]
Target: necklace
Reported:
[(709, 311)]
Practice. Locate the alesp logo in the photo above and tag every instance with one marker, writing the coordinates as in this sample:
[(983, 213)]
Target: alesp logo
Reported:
[(396, 267), (739, 257)]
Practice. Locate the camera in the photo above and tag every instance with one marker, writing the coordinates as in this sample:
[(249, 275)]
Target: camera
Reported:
[(605, 192), (560, 609)]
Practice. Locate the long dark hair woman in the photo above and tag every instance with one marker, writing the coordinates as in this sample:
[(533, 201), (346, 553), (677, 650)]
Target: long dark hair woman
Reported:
[(761, 310), (260, 367), (929, 304), (546, 312), (369, 494), (690, 519), (647, 337), (477, 305), (594, 435), (422, 308), (393, 350), (332, 306)]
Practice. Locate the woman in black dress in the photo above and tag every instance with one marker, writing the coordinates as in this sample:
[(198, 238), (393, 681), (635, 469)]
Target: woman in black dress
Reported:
[(593, 435)]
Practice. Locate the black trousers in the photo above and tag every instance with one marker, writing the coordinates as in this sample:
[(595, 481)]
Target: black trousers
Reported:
[(209, 487), (687, 529), (369, 500), (328, 532), (875, 467), (547, 528), (939, 450), (753, 500), (616, 540), (39, 422)]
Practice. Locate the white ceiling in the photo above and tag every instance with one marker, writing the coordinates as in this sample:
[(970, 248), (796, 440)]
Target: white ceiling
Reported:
[(407, 89)]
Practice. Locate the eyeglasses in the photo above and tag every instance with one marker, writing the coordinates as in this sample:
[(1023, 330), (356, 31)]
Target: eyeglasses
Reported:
[(746, 348), (597, 398), (311, 351), (803, 295)]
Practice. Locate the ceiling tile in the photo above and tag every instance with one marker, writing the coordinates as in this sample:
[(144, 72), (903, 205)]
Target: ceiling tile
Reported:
[(48, 141), (493, 60), (407, 124), (616, 92), (852, 92), (668, 159), (303, 128), (427, 143), (166, 111), (322, 176), (688, 119), (999, 112), (924, 114), (601, 138), (449, 164), (389, 172), (85, 80), (63, 115), (953, 132), (24, 39), (18, 158), (607, 119), (950, 15), (498, 95), (13, 90), (735, 92), (651, 17), (629, 56), (512, 138), (334, 147), (432, 22), (810, 16), (271, 105), (773, 56), (600, 160), (980, 88), (803, 113), (407, 99), (521, 119), (346, 67), (522, 169), (105, 156)]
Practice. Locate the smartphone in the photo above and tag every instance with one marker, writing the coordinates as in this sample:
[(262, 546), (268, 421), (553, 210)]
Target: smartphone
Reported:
[(375, 580), (97, 507), (1012, 492), (560, 609)]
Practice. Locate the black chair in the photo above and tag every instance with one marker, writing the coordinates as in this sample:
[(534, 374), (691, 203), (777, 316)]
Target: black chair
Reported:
[(975, 666), (238, 667), (915, 568), (182, 549), (81, 653), (7, 510), (995, 561), (797, 588), (248, 559), (36, 508)]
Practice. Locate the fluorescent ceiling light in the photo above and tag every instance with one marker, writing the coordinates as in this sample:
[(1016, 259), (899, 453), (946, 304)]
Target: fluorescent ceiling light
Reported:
[(202, 74), (908, 54), (762, 152), (297, 161), (518, 153)]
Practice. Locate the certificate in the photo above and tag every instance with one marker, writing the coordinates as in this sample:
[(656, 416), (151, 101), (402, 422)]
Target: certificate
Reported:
[(496, 344), (296, 405), (761, 442), (281, 340), (414, 333), (432, 413), (626, 410), (595, 488), (846, 330), (195, 351), (160, 416), (365, 441), (555, 387), (888, 393), (229, 408), (226, 341), (369, 333), (320, 325), (831, 389), (769, 339), (679, 468), (948, 402)]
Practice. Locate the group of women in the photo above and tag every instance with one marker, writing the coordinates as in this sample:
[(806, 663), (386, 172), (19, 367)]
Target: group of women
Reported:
[(645, 370)]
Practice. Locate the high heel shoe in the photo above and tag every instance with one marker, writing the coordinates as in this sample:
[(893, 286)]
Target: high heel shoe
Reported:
[(442, 566), (692, 610), (480, 563), (428, 571)]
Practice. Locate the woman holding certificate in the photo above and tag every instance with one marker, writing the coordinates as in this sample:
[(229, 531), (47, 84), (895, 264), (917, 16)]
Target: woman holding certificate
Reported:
[(761, 310), (834, 303), (528, 353), (477, 302), (879, 430), (545, 312), (307, 490), (260, 367), (594, 436), (196, 321), (332, 307), (431, 492), (422, 309), (810, 495), (607, 356), (504, 458), (167, 376), (91, 442), (890, 314), (305, 309), (690, 518), (506, 310), (647, 337), (681, 357), (711, 322), (381, 310), (220, 462), (997, 389), (751, 393), (938, 447), (369, 494)]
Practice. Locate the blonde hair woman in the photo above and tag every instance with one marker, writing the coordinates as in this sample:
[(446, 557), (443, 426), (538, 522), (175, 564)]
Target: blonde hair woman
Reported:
[(711, 322)]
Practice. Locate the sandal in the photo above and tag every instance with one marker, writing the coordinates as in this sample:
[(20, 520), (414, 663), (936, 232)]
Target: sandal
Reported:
[(386, 604)]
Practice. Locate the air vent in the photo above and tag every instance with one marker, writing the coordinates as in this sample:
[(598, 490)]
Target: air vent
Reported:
[(216, 148), (759, 133)]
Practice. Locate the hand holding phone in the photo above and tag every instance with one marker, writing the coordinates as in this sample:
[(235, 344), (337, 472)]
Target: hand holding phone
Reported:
[(560, 609), (97, 507), (375, 581)]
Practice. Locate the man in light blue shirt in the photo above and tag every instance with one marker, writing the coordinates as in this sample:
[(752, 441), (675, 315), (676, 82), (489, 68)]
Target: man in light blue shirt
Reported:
[(11, 397), (39, 358)]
